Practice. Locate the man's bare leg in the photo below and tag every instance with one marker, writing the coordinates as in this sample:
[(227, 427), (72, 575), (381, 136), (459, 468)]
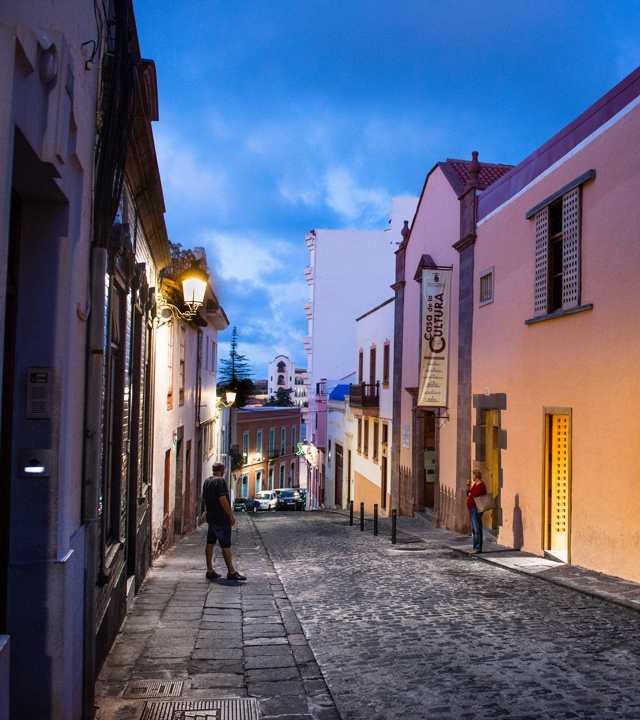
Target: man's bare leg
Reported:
[(226, 554), (208, 552)]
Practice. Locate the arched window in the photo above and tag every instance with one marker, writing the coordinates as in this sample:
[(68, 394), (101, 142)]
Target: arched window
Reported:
[(281, 367), (280, 379)]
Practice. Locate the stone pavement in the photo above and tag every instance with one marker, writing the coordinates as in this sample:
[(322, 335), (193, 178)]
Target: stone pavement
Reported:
[(421, 630), (595, 584), (221, 639), (337, 623), (589, 582)]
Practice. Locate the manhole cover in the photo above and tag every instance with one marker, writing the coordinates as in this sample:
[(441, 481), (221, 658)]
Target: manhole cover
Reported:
[(152, 688), (232, 709)]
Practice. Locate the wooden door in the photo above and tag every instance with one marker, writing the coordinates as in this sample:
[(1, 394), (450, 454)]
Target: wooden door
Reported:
[(558, 495), (339, 475), (491, 473), (383, 482), (188, 514), (429, 455)]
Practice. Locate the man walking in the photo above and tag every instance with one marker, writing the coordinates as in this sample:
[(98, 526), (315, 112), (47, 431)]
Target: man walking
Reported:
[(220, 520)]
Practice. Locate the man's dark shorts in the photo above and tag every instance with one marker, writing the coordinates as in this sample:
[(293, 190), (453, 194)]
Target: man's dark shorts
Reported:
[(221, 533)]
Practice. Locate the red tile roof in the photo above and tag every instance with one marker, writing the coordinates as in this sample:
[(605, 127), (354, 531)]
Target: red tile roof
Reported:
[(460, 176)]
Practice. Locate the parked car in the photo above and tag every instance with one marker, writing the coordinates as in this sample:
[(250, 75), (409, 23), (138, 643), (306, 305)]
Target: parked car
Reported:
[(290, 500), (241, 504), (267, 500)]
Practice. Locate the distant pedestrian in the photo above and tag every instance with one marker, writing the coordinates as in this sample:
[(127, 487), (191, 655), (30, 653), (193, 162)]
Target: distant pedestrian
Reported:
[(475, 488), (220, 520)]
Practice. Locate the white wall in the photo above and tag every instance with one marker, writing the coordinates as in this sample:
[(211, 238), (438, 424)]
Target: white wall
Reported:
[(350, 272), (288, 375), (376, 329)]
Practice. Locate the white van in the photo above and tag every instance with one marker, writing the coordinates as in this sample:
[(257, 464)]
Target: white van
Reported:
[(267, 500)]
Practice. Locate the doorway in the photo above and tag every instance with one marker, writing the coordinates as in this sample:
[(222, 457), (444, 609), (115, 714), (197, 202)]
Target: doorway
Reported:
[(339, 475), (177, 494), (429, 458), (383, 482), (187, 525), (9, 354), (491, 471), (557, 495)]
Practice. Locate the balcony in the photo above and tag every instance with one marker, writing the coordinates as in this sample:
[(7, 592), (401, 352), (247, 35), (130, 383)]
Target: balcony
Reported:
[(365, 397)]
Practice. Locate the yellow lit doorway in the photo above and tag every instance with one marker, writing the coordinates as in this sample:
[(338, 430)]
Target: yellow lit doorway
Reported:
[(557, 491), (491, 471)]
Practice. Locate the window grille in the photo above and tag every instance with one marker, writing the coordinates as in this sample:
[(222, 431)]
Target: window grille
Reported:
[(486, 287)]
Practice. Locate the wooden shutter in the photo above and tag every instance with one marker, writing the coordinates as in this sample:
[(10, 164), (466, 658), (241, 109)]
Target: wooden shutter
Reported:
[(542, 263), (571, 249)]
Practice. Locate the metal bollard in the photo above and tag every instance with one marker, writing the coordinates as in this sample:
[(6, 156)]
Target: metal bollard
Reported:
[(375, 519), (351, 512), (362, 517), (393, 527)]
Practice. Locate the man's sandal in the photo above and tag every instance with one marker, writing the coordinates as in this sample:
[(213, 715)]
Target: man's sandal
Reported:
[(213, 575), (235, 576)]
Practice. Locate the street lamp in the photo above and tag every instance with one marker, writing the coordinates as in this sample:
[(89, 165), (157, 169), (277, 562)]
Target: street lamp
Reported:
[(194, 286)]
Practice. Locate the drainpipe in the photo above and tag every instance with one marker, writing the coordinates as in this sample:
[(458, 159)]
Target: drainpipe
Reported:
[(91, 473)]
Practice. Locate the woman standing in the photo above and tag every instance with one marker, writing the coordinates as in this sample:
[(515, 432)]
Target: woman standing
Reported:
[(474, 489)]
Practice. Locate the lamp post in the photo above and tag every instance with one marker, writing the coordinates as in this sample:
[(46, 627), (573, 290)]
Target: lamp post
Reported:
[(230, 397)]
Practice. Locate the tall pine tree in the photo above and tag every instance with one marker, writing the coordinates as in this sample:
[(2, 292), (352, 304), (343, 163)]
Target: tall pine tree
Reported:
[(234, 373)]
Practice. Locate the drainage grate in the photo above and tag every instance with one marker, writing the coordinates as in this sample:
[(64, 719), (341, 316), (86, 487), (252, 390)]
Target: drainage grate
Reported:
[(233, 709), (152, 688)]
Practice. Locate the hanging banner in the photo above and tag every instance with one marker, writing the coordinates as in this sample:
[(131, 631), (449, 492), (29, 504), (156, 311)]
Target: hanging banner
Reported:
[(434, 355)]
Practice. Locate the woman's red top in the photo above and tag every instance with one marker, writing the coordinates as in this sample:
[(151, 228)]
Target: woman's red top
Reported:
[(476, 490)]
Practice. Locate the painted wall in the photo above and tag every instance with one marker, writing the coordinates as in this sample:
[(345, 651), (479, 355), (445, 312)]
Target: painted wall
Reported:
[(435, 230), (287, 374), (254, 420), (586, 362), (174, 429), (375, 329), (38, 143)]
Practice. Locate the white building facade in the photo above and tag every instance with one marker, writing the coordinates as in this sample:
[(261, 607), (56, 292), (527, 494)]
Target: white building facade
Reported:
[(371, 402), (349, 272), (188, 428)]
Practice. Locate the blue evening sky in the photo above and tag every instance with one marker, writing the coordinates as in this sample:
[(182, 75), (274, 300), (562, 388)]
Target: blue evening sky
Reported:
[(280, 116)]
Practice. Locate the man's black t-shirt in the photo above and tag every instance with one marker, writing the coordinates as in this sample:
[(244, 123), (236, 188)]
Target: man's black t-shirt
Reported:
[(213, 489)]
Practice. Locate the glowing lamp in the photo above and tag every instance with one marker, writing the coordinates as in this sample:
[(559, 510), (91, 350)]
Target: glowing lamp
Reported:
[(194, 286)]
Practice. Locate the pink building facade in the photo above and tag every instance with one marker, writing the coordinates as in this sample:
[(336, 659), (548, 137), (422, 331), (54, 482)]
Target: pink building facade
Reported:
[(430, 450), (555, 382)]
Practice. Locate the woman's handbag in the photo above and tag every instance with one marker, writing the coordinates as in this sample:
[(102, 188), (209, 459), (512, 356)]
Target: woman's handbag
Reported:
[(484, 502)]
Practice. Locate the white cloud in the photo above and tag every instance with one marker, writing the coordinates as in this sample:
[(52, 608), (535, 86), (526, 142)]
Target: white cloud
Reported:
[(243, 258), (344, 196), (185, 177)]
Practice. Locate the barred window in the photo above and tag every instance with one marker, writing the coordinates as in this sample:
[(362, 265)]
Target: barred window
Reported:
[(486, 287)]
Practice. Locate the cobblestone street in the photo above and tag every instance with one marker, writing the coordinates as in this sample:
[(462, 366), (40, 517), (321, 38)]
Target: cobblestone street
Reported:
[(437, 634), (416, 631)]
